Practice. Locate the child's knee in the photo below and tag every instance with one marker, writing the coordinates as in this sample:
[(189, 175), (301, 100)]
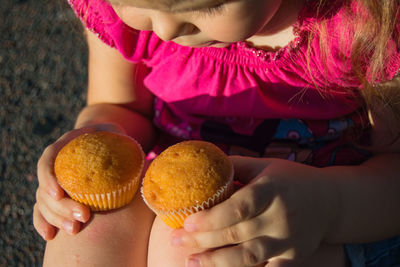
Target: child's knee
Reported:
[(126, 225), (100, 229), (94, 243), (109, 237), (161, 252)]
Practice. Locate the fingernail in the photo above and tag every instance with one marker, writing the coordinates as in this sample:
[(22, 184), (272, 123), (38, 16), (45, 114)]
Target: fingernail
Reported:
[(176, 241), (190, 227), (68, 226), (43, 234), (53, 194), (77, 216), (193, 262)]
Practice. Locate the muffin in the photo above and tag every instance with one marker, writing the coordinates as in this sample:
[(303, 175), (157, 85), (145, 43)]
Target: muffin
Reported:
[(101, 170), (186, 178)]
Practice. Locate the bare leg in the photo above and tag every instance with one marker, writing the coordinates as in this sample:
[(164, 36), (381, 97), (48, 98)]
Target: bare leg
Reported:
[(115, 238), (161, 252)]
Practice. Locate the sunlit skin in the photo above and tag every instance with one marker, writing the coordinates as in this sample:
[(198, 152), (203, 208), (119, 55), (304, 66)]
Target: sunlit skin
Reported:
[(286, 213), (210, 24)]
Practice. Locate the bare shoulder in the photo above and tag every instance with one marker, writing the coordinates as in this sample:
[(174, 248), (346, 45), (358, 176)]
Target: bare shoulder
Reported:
[(113, 79)]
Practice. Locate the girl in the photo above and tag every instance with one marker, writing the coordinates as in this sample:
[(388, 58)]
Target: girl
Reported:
[(305, 91)]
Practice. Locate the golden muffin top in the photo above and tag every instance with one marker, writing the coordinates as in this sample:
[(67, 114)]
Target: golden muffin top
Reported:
[(98, 162), (185, 175)]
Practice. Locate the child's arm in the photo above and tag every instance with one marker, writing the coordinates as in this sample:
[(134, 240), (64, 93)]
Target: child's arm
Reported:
[(370, 193), (288, 209), (116, 94), (117, 101)]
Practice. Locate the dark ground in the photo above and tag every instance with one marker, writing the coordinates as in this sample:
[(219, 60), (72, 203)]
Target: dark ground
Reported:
[(43, 75)]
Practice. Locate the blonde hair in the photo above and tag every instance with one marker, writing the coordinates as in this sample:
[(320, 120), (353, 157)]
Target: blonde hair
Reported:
[(373, 23)]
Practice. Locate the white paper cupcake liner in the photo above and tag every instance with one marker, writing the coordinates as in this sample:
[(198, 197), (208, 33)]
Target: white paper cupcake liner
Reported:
[(107, 201)]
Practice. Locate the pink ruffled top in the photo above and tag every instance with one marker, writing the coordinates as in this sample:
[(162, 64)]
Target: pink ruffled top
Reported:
[(244, 98)]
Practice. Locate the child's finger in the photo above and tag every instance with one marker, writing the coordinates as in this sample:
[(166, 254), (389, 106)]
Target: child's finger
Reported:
[(262, 225), (251, 253), (244, 204), (46, 176), (70, 226), (65, 207), (46, 230)]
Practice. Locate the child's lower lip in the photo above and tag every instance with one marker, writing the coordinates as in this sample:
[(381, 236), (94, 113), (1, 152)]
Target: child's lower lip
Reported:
[(216, 42), (205, 44), (211, 43)]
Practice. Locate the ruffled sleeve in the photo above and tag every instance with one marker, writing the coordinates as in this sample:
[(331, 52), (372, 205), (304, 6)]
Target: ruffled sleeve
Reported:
[(97, 16), (100, 18)]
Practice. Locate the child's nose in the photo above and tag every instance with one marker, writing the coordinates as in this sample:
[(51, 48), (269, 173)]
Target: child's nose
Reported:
[(167, 27)]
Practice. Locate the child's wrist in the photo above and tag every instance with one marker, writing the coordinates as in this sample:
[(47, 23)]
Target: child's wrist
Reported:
[(111, 127), (99, 127)]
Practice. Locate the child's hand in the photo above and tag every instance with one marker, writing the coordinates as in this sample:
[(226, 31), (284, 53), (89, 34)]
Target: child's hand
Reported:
[(53, 208), (281, 215)]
